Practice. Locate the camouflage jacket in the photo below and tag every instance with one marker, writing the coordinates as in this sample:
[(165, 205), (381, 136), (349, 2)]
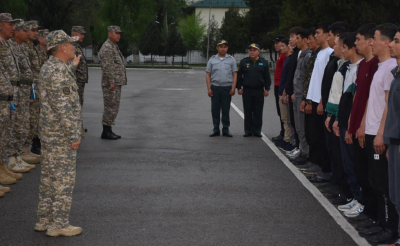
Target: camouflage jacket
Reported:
[(82, 69), (112, 64), (36, 63), (26, 73), (43, 55), (9, 66), (60, 117), (308, 73), (6, 88)]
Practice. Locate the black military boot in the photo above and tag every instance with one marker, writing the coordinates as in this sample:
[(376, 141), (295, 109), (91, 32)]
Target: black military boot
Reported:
[(36, 146), (108, 134), (118, 136)]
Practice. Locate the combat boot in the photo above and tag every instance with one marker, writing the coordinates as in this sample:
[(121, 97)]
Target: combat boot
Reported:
[(36, 146), (68, 231), (108, 134), (5, 189), (42, 225), (5, 179), (9, 173), (23, 163), (29, 157), (14, 166)]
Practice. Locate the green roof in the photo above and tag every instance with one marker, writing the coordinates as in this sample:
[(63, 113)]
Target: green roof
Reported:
[(220, 3)]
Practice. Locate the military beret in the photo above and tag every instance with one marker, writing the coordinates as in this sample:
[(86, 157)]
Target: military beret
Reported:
[(58, 37), (254, 45), (20, 24), (114, 29), (43, 33), (222, 41), (78, 29), (32, 24), (279, 38), (6, 17)]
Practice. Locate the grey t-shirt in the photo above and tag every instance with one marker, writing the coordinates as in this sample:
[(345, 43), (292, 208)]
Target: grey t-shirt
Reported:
[(391, 134), (221, 70)]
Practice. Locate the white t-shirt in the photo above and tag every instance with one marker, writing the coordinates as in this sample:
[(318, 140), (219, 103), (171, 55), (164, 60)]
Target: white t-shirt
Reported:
[(381, 82), (314, 90)]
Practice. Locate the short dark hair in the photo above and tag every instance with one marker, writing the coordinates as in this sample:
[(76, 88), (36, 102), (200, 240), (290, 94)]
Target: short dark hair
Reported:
[(388, 30), (294, 30), (367, 30), (339, 27), (350, 39), (285, 41), (303, 33), (53, 51), (311, 32), (324, 26), (343, 35)]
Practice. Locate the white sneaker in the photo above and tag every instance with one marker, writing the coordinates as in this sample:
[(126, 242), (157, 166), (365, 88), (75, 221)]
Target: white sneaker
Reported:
[(295, 153), (23, 163), (15, 167), (291, 151), (355, 211), (348, 206)]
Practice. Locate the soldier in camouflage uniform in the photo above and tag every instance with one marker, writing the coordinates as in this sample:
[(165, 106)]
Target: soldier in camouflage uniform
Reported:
[(20, 117), (113, 77), (82, 69), (60, 133), (42, 45)]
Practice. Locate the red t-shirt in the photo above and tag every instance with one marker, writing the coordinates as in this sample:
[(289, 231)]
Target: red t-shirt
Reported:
[(278, 69), (366, 71)]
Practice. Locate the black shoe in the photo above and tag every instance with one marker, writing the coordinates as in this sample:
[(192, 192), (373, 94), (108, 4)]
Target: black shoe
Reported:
[(360, 217), (316, 179), (214, 134), (277, 138), (227, 134), (109, 135), (247, 135), (301, 160), (257, 135), (118, 136), (36, 146), (361, 225), (367, 232), (85, 129), (383, 237)]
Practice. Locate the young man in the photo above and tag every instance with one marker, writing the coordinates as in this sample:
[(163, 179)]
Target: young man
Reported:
[(277, 78), (392, 129), (221, 78), (374, 126)]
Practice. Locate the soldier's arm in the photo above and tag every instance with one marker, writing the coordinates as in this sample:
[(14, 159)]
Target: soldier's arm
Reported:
[(267, 77), (108, 66), (239, 76)]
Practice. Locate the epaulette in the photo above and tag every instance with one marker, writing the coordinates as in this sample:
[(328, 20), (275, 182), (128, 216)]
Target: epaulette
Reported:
[(211, 57)]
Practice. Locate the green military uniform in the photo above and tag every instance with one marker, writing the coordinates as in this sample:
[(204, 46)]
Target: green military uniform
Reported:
[(82, 77), (253, 78), (59, 126), (6, 96)]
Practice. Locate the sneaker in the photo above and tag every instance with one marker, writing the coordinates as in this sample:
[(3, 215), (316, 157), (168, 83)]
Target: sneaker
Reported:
[(289, 152), (397, 243), (295, 153), (385, 236), (68, 231), (306, 166), (23, 163), (361, 225), (15, 167), (42, 225), (354, 211), (289, 147), (301, 160), (368, 232), (348, 206)]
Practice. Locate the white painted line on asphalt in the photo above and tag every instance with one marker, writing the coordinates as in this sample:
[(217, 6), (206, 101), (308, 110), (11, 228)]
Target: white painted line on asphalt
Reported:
[(336, 215)]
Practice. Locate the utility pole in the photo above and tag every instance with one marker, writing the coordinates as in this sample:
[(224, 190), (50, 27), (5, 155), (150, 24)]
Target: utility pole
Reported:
[(208, 41)]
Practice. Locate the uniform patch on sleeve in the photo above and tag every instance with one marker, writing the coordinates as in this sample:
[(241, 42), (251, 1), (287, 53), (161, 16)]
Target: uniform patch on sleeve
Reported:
[(66, 90)]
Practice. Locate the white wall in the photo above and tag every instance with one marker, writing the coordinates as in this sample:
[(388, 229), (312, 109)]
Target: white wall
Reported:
[(219, 14)]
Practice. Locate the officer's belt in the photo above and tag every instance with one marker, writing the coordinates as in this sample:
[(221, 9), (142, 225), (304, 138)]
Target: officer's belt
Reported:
[(253, 87), (26, 82), (6, 98), (15, 82)]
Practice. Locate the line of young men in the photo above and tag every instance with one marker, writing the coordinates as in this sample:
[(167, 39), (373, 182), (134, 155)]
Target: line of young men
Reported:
[(334, 102), (22, 53)]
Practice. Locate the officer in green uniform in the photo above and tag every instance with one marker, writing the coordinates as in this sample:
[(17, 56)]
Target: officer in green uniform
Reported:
[(221, 77), (254, 83)]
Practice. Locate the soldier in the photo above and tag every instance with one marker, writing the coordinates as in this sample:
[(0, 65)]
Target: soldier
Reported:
[(9, 86), (33, 155), (60, 133), (113, 77), (42, 44), (82, 69), (20, 117)]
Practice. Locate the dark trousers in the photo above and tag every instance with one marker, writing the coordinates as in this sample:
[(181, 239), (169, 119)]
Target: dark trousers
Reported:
[(278, 110), (314, 127), (253, 105), (379, 180), (291, 114), (362, 172), (348, 164), (394, 177), (221, 102)]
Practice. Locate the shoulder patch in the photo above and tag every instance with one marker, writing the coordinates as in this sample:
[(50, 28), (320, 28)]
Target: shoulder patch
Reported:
[(66, 90)]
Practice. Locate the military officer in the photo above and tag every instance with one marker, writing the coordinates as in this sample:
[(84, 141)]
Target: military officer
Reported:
[(221, 77), (113, 77), (82, 69), (60, 133), (254, 83)]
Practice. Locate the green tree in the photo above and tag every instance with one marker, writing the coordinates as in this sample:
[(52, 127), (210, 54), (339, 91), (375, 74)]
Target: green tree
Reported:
[(175, 46), (151, 42), (17, 8), (214, 36), (192, 31)]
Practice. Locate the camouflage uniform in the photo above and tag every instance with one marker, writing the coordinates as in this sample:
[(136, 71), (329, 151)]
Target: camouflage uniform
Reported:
[(113, 71), (42, 52), (81, 69), (308, 73), (59, 125), (6, 92)]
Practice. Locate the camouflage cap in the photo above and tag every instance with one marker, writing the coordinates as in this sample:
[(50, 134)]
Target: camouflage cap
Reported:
[(6, 17), (58, 37), (114, 29), (32, 24), (43, 33), (20, 24), (78, 29)]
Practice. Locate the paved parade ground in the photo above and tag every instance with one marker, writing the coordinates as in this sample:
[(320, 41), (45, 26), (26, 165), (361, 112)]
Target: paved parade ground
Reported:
[(167, 183)]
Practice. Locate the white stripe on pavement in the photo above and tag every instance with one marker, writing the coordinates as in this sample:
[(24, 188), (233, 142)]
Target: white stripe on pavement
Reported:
[(336, 215)]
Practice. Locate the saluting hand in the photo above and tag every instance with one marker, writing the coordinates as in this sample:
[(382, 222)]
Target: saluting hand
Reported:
[(76, 60), (75, 145)]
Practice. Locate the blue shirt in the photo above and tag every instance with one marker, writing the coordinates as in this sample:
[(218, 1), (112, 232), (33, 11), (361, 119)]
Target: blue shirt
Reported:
[(221, 70)]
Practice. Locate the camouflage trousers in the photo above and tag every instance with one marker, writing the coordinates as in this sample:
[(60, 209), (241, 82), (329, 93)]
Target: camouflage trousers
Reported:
[(19, 122), (5, 133), (81, 91), (34, 111), (112, 100), (57, 182)]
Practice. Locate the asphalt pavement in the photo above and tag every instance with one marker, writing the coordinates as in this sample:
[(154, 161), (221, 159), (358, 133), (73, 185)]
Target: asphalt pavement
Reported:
[(167, 183)]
